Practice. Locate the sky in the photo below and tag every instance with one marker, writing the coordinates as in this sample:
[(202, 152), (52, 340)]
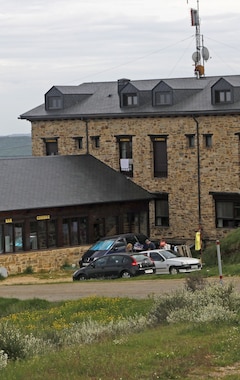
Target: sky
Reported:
[(67, 42)]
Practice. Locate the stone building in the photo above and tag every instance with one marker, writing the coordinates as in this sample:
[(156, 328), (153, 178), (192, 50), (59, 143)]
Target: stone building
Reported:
[(176, 138)]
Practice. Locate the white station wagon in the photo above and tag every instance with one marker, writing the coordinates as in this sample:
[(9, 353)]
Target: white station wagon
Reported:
[(167, 262)]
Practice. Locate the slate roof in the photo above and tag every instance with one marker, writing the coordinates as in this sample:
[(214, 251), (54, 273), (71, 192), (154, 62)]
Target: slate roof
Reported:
[(101, 99), (55, 181)]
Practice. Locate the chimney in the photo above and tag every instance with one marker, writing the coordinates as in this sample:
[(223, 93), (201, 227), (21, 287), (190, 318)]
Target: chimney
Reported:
[(122, 83)]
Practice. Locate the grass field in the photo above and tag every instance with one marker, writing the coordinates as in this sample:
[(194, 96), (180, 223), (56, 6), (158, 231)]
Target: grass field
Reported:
[(188, 335)]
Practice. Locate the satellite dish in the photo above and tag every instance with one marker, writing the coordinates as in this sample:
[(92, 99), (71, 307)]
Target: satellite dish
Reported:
[(205, 53), (196, 56), (3, 272)]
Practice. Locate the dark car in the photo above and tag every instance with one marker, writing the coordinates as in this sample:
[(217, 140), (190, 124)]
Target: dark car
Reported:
[(112, 244), (116, 265)]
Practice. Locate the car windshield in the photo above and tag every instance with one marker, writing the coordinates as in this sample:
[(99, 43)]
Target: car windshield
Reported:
[(168, 255), (102, 245)]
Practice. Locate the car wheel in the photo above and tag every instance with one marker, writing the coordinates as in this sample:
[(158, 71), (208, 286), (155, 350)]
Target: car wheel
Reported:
[(173, 270), (82, 277), (125, 274)]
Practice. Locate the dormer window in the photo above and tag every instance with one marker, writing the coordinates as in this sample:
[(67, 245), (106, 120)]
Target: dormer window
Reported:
[(163, 98), (54, 102), (223, 96), (130, 100), (162, 95), (222, 92)]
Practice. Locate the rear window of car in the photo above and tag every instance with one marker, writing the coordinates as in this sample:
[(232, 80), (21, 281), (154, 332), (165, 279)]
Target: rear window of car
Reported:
[(140, 258)]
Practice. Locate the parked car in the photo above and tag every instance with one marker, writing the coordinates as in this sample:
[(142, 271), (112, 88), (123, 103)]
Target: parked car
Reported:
[(116, 265), (169, 262), (111, 244)]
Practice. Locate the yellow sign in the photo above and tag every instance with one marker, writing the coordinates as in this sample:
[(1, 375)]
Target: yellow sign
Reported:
[(159, 139), (43, 217), (8, 220)]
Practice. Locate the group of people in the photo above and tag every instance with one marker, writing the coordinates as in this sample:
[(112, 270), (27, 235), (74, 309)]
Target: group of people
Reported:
[(148, 245)]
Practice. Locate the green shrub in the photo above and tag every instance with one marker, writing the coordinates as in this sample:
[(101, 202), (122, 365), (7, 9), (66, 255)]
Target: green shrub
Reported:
[(28, 270)]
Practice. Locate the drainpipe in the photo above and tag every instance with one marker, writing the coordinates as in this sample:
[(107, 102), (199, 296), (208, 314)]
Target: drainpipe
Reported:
[(87, 144), (198, 174)]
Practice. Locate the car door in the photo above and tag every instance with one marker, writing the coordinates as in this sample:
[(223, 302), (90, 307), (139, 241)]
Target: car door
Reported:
[(114, 265), (160, 262), (97, 268)]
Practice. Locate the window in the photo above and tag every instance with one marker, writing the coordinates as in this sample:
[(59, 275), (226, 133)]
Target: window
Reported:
[(125, 154), (18, 237), (42, 234), (160, 156), (136, 222), (54, 102), (162, 212), (191, 141), (95, 141), (163, 98), (227, 214), (130, 100), (208, 140), (78, 142), (223, 96), (74, 231), (51, 146), (11, 237)]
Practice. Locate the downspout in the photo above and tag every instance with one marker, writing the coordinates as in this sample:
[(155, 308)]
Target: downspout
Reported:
[(87, 143), (198, 174)]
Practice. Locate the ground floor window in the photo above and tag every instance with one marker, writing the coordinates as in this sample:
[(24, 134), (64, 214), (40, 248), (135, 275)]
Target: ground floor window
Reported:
[(227, 214), (74, 231), (161, 212), (43, 234), (135, 222), (11, 237)]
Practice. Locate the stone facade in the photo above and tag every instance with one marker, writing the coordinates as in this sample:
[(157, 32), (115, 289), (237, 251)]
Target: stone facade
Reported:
[(192, 173), (42, 261)]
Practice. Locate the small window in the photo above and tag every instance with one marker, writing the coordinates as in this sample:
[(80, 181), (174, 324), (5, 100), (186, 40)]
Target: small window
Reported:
[(191, 141), (163, 98), (223, 96), (161, 212), (79, 142), (51, 146), (130, 100), (54, 102), (208, 141), (96, 141)]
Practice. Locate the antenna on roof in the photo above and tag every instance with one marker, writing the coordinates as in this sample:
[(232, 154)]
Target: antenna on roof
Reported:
[(201, 54)]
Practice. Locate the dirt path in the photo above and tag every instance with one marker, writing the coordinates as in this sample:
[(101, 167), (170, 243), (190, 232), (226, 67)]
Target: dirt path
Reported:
[(57, 290)]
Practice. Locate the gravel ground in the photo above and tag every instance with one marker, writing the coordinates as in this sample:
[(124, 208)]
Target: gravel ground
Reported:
[(56, 290)]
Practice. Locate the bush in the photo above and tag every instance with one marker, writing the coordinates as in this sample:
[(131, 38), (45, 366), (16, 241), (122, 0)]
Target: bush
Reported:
[(212, 303), (195, 281), (28, 270), (17, 345)]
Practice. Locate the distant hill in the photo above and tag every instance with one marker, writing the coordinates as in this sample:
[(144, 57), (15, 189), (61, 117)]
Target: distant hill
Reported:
[(15, 146)]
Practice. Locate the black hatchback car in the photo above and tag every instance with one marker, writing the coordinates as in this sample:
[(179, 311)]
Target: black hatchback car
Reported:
[(116, 265), (111, 244)]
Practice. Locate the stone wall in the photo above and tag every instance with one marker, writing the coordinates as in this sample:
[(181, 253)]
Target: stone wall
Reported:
[(41, 261), (219, 164)]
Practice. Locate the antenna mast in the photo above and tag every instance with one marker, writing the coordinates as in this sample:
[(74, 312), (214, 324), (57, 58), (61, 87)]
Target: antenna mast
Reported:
[(201, 54)]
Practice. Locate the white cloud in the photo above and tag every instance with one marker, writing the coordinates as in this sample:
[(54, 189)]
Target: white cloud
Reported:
[(70, 41)]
